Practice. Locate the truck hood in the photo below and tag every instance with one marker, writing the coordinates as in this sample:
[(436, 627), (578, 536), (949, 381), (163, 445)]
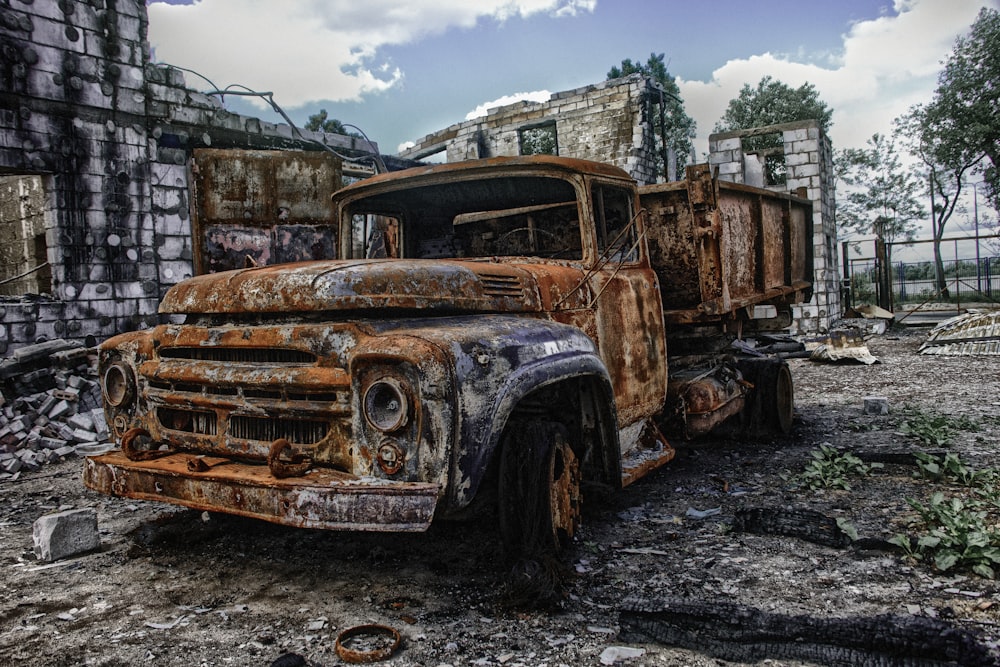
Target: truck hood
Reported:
[(377, 283)]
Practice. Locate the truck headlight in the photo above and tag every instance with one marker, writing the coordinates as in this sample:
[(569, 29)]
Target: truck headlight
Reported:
[(385, 405), (119, 384)]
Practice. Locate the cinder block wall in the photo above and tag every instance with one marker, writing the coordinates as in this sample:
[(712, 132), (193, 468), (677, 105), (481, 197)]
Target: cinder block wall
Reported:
[(808, 157), (109, 135), (607, 122)]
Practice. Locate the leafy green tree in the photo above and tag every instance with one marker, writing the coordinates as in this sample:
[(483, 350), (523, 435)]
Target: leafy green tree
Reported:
[(771, 103), (673, 125), (957, 134), (881, 196), (947, 163), (967, 99), (319, 122)]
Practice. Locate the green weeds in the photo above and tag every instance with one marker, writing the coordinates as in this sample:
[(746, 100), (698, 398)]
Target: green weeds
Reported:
[(956, 533), (933, 429), (830, 469)]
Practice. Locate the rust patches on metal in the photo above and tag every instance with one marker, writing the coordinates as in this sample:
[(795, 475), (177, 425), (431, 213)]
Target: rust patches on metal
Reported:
[(718, 247), (265, 207), (294, 465), (132, 451), (205, 463), (325, 498), (704, 399), (387, 640), (653, 452), (565, 499)]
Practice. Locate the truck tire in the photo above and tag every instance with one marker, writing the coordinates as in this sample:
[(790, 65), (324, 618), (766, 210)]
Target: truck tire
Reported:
[(770, 407), (539, 489)]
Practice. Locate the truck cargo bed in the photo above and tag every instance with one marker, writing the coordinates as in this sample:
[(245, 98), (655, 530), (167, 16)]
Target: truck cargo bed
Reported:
[(718, 247)]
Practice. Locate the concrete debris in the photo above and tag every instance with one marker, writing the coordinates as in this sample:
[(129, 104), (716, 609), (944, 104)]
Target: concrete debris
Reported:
[(615, 654), (66, 534), (50, 402), (876, 405), (840, 346), (976, 333)]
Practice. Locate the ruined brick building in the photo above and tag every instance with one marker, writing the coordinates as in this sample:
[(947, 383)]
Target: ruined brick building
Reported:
[(114, 181), (96, 145)]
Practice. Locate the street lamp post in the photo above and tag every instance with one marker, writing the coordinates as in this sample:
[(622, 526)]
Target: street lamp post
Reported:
[(975, 219)]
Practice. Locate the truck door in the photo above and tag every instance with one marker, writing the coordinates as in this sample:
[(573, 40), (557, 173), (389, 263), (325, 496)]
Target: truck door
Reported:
[(627, 307)]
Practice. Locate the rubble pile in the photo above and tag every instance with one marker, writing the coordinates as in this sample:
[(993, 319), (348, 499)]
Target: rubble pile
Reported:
[(49, 407)]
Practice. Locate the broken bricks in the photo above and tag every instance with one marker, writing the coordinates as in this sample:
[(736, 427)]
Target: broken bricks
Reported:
[(44, 421)]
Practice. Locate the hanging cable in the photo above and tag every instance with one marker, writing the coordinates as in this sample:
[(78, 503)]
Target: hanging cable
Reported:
[(268, 97)]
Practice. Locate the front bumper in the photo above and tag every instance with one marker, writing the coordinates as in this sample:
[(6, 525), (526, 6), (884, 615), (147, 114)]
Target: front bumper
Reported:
[(322, 498)]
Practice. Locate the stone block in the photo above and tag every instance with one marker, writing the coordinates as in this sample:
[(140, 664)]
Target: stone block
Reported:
[(65, 534), (876, 405), (733, 144)]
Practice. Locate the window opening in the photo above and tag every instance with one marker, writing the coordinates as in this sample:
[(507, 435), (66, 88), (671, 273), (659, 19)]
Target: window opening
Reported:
[(539, 140), (24, 267)]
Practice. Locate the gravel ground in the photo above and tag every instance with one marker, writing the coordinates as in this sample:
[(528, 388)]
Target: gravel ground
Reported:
[(175, 587)]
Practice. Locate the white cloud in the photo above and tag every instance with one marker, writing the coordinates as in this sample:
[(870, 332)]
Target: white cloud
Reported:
[(533, 96), (310, 50), (887, 65)]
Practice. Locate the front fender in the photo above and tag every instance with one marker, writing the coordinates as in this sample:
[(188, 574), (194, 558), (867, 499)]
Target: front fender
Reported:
[(498, 360)]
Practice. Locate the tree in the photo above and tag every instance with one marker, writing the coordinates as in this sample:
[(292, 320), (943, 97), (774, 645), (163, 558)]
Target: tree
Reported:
[(968, 96), (882, 196), (318, 122), (936, 141), (771, 103), (957, 134), (674, 130)]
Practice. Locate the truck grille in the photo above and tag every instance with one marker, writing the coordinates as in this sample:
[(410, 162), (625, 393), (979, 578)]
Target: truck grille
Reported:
[(188, 421), (296, 431)]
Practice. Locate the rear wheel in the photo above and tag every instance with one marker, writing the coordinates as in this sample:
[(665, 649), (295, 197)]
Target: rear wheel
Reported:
[(770, 407), (539, 489), (783, 406)]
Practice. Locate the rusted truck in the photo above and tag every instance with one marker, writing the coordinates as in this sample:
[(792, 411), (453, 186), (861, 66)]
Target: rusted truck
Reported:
[(502, 333)]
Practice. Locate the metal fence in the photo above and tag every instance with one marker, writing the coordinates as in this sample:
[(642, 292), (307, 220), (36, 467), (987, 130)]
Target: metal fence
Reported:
[(970, 275)]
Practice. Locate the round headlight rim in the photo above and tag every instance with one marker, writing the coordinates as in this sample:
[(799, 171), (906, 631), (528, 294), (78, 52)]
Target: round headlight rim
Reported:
[(403, 417), (121, 390)]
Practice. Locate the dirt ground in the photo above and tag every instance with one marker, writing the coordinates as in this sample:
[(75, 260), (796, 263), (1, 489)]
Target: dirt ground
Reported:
[(175, 587)]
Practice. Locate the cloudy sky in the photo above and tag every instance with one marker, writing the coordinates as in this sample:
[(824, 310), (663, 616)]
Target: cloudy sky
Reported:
[(401, 69)]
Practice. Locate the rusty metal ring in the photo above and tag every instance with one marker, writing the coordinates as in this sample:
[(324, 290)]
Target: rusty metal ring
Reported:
[(133, 454), (296, 465), (373, 655)]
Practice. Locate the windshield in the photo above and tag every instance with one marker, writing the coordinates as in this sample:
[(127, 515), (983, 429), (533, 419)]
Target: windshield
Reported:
[(507, 216)]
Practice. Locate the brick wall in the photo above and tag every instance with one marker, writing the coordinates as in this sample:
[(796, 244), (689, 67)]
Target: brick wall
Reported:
[(108, 136), (607, 122)]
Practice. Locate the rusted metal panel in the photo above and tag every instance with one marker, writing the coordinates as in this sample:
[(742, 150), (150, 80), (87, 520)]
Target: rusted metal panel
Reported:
[(255, 208), (325, 498), (974, 333), (718, 247)]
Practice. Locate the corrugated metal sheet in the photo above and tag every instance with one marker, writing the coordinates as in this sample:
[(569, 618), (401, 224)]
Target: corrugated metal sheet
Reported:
[(975, 333)]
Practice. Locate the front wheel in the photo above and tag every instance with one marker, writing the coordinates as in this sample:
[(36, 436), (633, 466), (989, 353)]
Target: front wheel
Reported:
[(539, 489)]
